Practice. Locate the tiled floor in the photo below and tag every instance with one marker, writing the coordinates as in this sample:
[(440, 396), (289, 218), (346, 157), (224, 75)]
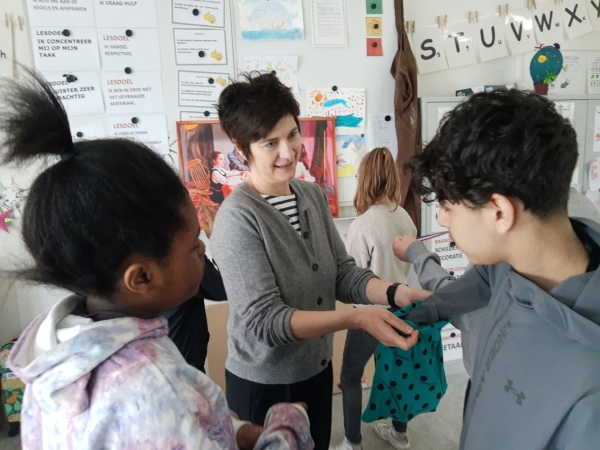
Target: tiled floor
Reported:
[(434, 431)]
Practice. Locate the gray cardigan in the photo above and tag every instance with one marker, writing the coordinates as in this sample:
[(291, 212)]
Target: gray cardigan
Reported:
[(270, 271)]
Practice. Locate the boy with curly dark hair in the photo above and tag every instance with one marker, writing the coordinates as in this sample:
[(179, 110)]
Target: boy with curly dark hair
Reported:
[(500, 166)]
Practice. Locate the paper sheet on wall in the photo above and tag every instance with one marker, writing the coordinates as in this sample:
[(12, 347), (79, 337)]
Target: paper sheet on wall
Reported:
[(429, 49), (346, 104), (88, 132), (149, 130), (125, 13), (285, 67), (566, 109), (271, 20), (381, 132), (570, 79), (452, 259), (593, 85), (518, 30), (547, 23), (594, 197), (6, 49), (459, 45), (61, 13), (138, 51), (195, 116), (597, 130), (80, 93), (329, 23), (575, 15), (594, 14), (442, 112), (196, 46), (133, 93), (350, 150), (489, 36), (203, 13), (200, 89), (595, 174), (56, 49), (21, 36)]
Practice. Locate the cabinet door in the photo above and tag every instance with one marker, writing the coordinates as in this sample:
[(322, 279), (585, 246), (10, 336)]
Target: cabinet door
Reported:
[(592, 135)]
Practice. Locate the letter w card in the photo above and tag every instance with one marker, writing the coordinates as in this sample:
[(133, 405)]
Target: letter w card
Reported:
[(429, 49), (518, 29), (489, 35)]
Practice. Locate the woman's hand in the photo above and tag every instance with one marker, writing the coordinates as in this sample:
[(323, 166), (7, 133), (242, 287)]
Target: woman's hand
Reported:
[(405, 295), (384, 326), (209, 219), (247, 436), (401, 244)]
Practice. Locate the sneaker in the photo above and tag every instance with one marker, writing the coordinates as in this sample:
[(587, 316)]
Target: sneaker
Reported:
[(347, 445), (398, 440)]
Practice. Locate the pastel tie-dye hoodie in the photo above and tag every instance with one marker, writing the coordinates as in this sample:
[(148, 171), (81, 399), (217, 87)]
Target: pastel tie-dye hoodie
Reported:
[(122, 384)]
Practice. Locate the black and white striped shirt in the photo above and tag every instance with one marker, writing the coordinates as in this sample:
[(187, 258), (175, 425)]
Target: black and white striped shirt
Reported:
[(288, 206)]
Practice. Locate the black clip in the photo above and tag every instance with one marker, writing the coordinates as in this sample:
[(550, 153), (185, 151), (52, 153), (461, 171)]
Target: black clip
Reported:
[(134, 120), (70, 78), (128, 33), (211, 80), (195, 12), (201, 54), (334, 88), (66, 32), (206, 113), (79, 134), (273, 72), (388, 118), (128, 70)]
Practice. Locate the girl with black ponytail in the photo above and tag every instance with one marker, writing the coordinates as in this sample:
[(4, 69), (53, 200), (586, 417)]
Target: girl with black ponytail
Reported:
[(110, 221)]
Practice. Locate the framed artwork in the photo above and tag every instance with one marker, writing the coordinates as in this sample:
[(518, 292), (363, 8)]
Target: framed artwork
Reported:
[(211, 167)]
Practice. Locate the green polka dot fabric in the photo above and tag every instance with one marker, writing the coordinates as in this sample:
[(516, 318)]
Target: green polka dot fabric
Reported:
[(408, 383)]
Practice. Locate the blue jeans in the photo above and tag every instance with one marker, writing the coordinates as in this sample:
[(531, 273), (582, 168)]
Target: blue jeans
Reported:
[(359, 347)]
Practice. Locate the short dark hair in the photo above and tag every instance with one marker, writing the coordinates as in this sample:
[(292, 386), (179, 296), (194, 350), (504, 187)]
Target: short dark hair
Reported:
[(507, 142), (104, 201), (250, 109), (212, 157)]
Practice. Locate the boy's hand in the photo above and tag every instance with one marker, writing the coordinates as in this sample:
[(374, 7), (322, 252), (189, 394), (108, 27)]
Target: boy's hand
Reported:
[(248, 435), (401, 244)]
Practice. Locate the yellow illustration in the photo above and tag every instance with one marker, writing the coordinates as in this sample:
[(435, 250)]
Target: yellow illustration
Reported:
[(210, 18), (222, 81), (374, 27), (216, 55)]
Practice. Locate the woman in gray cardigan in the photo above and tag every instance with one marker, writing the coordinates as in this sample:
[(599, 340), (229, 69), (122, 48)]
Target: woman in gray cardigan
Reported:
[(284, 265)]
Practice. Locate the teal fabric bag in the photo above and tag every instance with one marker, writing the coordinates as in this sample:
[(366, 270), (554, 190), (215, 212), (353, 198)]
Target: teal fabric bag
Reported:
[(408, 383)]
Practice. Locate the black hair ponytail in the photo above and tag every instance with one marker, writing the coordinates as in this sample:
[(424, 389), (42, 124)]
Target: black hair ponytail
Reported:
[(85, 215), (33, 121)]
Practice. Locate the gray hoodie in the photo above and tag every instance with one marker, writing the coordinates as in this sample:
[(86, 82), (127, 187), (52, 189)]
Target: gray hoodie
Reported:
[(536, 380)]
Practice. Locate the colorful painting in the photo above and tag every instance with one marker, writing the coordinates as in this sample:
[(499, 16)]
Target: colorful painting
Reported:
[(284, 67), (211, 167), (346, 105), (271, 20), (350, 151)]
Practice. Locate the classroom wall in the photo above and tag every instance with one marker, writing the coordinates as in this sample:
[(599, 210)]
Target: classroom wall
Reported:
[(318, 67)]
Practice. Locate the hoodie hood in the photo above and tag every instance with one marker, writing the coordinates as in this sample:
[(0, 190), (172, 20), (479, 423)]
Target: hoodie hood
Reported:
[(59, 350), (577, 313)]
